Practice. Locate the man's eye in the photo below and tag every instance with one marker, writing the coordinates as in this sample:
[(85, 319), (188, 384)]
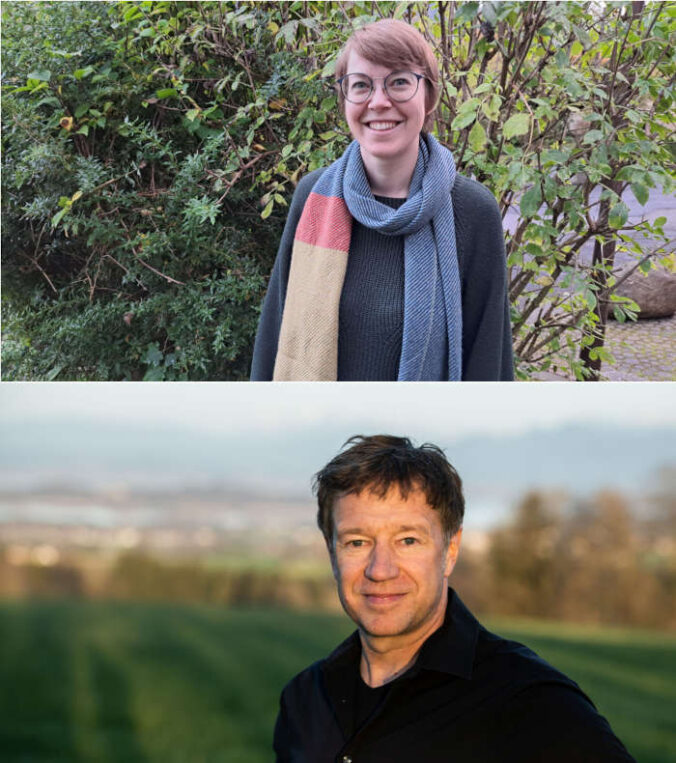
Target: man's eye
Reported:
[(410, 541), (355, 543)]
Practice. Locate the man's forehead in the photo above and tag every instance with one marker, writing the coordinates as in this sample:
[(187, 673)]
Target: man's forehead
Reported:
[(404, 505)]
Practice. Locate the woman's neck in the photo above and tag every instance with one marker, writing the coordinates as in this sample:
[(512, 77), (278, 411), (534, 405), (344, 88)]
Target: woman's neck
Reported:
[(390, 177)]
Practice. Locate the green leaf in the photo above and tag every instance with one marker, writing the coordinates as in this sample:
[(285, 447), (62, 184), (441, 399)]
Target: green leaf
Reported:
[(153, 355), (80, 110), (167, 92), (592, 136), (268, 209), (555, 156), (477, 137), (463, 120), (641, 193), (155, 373), (530, 201), (58, 216), (518, 124), (54, 372), (84, 130), (43, 75), (288, 31), (491, 108), (82, 73), (618, 215)]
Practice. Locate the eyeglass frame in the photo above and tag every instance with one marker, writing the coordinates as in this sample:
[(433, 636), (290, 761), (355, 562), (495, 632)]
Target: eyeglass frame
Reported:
[(373, 82)]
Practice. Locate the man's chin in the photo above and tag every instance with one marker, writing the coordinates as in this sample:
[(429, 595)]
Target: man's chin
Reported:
[(383, 627)]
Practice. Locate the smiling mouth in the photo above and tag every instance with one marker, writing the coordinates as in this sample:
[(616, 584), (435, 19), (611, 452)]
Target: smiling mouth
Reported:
[(382, 126), (383, 599)]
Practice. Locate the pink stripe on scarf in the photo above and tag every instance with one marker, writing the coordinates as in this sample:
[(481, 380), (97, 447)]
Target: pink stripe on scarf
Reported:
[(325, 222)]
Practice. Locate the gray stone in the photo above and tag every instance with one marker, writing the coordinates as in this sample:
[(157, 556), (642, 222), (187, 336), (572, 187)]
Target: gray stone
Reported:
[(655, 292)]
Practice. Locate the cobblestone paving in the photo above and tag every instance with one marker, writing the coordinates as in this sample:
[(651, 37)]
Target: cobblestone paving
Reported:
[(644, 351)]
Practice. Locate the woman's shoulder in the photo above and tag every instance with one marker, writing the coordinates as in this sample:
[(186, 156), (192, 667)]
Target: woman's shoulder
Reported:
[(471, 193), (306, 184), (301, 192)]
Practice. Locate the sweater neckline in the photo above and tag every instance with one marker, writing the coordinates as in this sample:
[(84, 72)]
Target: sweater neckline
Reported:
[(390, 201)]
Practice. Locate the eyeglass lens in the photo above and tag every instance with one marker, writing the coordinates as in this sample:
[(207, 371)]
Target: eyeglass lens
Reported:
[(399, 86)]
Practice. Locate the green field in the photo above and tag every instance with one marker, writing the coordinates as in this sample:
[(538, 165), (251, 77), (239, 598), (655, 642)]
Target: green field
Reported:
[(134, 682)]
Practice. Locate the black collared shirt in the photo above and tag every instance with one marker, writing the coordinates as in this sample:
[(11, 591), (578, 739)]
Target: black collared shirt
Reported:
[(471, 697)]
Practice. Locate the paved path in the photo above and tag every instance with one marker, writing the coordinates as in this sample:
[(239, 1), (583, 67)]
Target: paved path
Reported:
[(643, 351)]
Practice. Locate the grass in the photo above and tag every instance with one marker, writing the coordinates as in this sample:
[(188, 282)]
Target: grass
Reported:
[(132, 682)]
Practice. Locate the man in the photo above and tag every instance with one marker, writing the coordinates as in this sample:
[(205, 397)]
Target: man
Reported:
[(421, 680)]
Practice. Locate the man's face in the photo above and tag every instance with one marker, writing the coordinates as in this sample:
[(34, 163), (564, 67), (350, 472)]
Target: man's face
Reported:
[(391, 562)]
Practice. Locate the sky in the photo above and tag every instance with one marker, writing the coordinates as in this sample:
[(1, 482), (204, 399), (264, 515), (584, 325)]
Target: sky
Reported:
[(458, 410), (269, 439)]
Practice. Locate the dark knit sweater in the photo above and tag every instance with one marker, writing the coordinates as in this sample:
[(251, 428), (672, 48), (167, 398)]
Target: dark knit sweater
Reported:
[(372, 300)]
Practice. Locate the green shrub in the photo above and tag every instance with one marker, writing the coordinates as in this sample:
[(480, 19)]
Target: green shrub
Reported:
[(150, 150)]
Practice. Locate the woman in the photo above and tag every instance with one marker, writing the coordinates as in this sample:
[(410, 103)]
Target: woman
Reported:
[(391, 266)]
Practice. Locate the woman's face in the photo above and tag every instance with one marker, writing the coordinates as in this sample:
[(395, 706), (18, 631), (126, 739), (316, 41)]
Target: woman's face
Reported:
[(384, 128)]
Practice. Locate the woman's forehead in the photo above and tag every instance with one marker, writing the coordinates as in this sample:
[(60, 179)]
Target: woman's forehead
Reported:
[(357, 63)]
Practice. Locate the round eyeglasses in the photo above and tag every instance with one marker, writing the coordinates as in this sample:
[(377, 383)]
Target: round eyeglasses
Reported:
[(399, 86)]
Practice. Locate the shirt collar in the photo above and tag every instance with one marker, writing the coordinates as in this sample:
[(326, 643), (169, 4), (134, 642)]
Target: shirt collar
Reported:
[(450, 649)]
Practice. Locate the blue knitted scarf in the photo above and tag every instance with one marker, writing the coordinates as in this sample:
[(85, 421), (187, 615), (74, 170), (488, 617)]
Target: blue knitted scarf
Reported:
[(432, 334)]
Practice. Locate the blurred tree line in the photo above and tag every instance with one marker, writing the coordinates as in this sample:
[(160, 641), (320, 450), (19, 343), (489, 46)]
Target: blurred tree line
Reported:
[(597, 563), (150, 150), (594, 563)]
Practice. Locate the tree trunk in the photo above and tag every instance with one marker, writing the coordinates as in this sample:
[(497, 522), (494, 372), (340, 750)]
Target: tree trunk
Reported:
[(602, 266)]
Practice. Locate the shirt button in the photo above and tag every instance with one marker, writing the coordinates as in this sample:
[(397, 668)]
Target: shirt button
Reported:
[(347, 759)]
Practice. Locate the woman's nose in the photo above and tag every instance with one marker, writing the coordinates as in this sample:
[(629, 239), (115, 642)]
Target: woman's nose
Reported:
[(379, 97)]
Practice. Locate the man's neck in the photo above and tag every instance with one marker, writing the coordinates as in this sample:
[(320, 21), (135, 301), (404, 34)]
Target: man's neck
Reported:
[(385, 658), (390, 177)]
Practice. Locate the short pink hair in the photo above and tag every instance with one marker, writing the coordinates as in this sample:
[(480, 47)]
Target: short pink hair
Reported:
[(397, 45)]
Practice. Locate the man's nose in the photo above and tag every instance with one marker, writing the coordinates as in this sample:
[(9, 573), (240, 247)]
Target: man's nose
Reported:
[(382, 564)]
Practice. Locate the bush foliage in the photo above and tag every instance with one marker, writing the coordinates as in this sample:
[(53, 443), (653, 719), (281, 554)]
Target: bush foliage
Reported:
[(150, 150)]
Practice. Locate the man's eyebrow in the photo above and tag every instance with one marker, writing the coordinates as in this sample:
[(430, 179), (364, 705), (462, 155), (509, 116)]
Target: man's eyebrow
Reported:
[(414, 528), (401, 529), (351, 531)]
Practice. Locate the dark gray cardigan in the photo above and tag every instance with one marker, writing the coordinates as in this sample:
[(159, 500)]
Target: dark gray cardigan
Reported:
[(486, 331)]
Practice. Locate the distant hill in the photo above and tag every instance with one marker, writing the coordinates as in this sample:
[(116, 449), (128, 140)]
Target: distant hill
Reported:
[(89, 453)]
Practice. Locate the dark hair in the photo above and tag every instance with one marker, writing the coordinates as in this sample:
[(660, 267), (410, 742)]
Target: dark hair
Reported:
[(380, 461)]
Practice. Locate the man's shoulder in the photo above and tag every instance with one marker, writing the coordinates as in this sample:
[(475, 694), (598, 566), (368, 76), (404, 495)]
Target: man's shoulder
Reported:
[(515, 663), (303, 682), (312, 678), (539, 710)]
